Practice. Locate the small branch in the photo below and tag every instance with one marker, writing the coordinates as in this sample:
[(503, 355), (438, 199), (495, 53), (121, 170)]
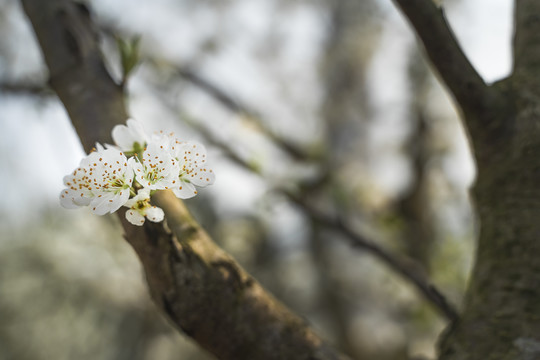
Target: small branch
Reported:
[(216, 92), (408, 269), (25, 89), (466, 85), (222, 96)]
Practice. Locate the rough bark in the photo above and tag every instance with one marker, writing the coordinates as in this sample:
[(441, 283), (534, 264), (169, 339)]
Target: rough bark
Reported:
[(200, 288), (501, 314)]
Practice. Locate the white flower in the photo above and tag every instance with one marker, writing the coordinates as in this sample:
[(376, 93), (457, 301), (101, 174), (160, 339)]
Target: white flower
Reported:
[(102, 181), (131, 138), (139, 208), (158, 169), (191, 158)]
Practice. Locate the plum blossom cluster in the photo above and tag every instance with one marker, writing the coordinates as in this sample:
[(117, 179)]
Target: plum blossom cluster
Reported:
[(129, 172)]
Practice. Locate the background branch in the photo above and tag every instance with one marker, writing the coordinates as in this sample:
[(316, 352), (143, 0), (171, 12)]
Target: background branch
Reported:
[(18, 88), (224, 98)]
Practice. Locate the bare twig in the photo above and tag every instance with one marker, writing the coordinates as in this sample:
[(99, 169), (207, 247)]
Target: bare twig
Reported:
[(17, 88), (247, 112), (408, 269)]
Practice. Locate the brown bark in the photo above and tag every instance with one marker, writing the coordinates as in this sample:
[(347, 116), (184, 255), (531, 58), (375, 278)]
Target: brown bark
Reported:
[(201, 289), (501, 315)]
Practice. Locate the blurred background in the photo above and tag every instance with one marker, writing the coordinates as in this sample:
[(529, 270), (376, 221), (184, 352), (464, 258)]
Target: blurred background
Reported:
[(307, 107)]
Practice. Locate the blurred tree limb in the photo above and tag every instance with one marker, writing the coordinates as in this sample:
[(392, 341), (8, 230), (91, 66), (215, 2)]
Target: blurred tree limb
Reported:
[(203, 291), (223, 97), (18, 88)]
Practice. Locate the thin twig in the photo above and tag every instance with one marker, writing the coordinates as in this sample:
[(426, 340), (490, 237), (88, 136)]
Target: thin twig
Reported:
[(408, 269), (237, 107), (16, 88)]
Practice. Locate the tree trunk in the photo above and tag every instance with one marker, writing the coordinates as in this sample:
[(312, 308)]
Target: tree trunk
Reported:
[(501, 314)]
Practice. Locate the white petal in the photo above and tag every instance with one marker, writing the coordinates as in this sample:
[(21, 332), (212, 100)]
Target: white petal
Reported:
[(72, 199), (154, 214), (99, 147), (134, 217), (122, 137), (161, 141), (67, 197), (137, 129), (102, 205), (195, 151), (202, 176), (130, 203), (142, 194), (81, 200), (130, 170), (119, 200), (125, 136), (185, 191), (139, 171)]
